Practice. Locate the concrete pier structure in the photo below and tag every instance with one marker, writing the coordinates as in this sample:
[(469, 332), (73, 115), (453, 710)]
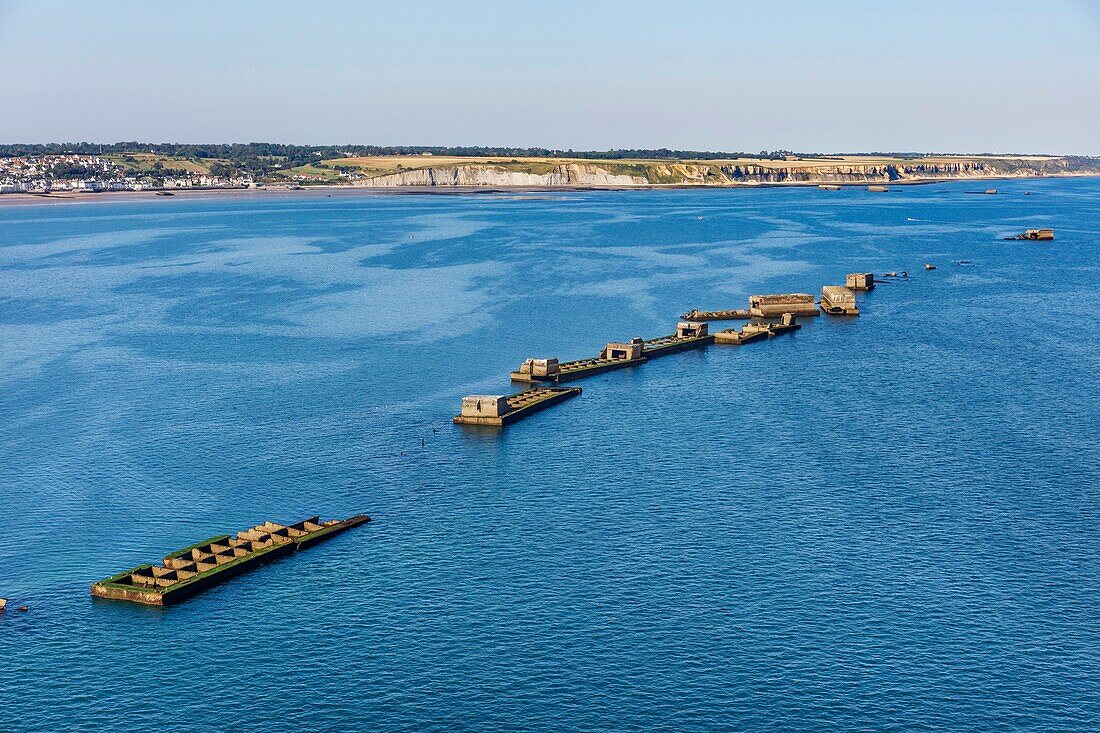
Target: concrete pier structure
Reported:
[(623, 350), (787, 323), (499, 410), (766, 306), (860, 281), (837, 300), (689, 335), (757, 331), (733, 337), (615, 355), (724, 315), (217, 559), (537, 370)]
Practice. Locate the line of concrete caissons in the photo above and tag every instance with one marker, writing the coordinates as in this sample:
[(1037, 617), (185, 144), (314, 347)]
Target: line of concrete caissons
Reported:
[(692, 332), (200, 566)]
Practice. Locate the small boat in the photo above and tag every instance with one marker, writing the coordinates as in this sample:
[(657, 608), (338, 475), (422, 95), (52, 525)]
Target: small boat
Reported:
[(929, 266)]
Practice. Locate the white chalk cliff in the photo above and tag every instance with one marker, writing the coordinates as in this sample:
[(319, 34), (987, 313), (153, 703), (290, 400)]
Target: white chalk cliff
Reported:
[(572, 174), (718, 173)]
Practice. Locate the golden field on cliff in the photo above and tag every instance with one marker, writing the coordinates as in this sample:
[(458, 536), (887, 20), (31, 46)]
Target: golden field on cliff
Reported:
[(432, 170), (392, 163)]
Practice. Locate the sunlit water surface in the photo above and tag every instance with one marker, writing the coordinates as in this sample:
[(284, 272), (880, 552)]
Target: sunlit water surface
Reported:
[(882, 523)]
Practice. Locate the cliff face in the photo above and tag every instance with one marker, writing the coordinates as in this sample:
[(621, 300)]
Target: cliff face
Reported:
[(615, 173), (914, 171), (573, 174), (857, 173)]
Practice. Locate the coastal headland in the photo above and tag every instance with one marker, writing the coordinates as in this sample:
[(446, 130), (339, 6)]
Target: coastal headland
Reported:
[(57, 172), (420, 171)]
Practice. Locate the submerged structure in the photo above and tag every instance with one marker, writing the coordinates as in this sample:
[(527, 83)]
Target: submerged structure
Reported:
[(799, 304), (615, 355), (786, 324), (726, 315), (757, 331), (500, 410), (217, 559), (837, 300), (733, 337), (860, 281), (1042, 235), (689, 335)]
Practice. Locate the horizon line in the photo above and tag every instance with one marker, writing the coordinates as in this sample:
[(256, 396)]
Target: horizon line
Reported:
[(530, 151)]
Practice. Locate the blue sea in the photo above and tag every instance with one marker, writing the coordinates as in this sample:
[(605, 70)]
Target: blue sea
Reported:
[(882, 523)]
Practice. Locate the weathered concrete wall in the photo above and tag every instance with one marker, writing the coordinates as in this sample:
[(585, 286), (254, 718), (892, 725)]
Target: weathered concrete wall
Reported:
[(624, 350), (573, 174)]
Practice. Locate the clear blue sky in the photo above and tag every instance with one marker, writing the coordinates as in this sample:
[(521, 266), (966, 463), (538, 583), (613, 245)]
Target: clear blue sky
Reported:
[(809, 76)]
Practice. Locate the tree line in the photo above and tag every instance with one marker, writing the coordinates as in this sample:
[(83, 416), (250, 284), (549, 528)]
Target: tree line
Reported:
[(255, 153)]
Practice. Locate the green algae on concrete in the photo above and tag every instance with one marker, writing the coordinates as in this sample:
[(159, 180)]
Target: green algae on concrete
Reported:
[(187, 571)]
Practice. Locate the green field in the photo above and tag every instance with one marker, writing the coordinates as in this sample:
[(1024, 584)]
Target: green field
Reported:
[(318, 172), (141, 163)]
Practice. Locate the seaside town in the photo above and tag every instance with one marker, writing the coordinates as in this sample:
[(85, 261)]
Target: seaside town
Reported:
[(93, 173)]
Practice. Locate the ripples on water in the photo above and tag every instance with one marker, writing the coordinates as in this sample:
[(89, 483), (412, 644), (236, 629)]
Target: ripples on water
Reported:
[(885, 523)]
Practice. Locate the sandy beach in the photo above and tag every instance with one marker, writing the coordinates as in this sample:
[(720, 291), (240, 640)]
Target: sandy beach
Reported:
[(342, 191), (25, 199)]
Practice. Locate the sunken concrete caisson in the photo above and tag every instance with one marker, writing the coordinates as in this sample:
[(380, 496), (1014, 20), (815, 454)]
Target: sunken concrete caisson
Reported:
[(501, 410), (615, 355), (689, 335), (195, 568)]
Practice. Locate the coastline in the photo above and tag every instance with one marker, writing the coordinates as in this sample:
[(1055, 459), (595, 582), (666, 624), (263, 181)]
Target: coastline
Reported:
[(350, 190)]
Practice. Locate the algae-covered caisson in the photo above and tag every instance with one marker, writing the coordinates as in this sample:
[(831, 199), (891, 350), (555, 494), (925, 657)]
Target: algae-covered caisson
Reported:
[(192, 569)]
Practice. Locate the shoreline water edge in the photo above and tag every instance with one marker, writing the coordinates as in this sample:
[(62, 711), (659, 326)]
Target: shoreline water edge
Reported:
[(263, 191)]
